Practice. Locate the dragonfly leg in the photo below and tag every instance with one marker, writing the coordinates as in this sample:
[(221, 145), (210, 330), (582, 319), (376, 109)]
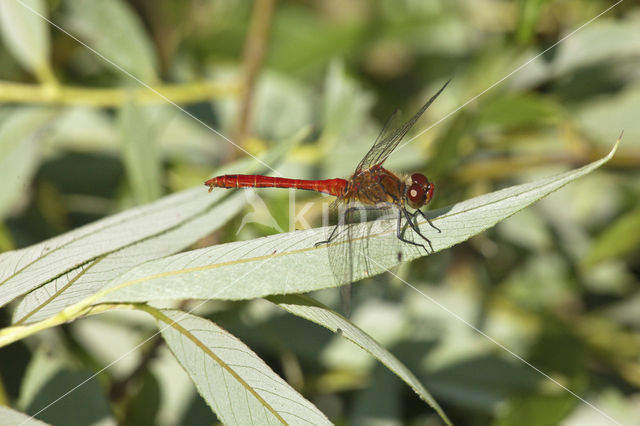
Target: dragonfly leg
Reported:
[(400, 231), (426, 218), (328, 240), (344, 220)]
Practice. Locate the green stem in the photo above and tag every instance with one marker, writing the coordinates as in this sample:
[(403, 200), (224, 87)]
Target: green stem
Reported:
[(12, 334), (101, 97), (254, 51), (18, 332)]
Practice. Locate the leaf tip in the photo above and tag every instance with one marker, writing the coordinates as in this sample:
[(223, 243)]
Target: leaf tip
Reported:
[(615, 146)]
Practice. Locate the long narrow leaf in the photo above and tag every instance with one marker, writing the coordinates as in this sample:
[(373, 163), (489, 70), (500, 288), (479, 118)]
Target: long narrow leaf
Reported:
[(29, 268), (112, 28), (289, 263), (21, 134), (24, 270), (91, 277), (26, 35), (234, 381), (13, 417), (312, 310), (139, 149)]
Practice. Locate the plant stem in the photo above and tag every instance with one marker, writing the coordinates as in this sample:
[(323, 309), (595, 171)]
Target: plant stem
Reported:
[(505, 167), (254, 50), (14, 333), (101, 97)]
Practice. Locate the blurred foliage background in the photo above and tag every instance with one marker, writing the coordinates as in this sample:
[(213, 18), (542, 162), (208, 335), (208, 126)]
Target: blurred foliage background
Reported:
[(556, 284)]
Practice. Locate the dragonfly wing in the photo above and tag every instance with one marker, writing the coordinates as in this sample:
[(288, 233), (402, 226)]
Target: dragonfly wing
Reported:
[(353, 255), (389, 139), (385, 134)]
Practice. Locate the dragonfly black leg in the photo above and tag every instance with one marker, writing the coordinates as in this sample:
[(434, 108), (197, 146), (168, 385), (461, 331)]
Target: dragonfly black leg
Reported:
[(400, 231), (328, 240), (335, 228), (426, 218), (347, 212), (415, 227)]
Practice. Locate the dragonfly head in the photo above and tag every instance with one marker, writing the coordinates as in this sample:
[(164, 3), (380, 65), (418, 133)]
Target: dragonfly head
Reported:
[(420, 190)]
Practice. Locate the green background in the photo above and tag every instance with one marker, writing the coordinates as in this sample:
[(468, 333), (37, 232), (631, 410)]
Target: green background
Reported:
[(556, 284)]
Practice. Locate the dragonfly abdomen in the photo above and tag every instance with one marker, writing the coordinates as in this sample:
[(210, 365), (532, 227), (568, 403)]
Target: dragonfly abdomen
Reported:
[(333, 187)]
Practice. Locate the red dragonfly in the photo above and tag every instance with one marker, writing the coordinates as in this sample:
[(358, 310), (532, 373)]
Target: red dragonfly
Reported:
[(371, 188)]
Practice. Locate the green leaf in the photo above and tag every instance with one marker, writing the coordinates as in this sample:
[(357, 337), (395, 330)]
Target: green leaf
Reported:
[(605, 41), (528, 19), (91, 277), (535, 410), (519, 111), (20, 136), (345, 106), (347, 129), (27, 269), (607, 115), (111, 28), (619, 239), (141, 157), (6, 241), (143, 406), (298, 49), (290, 263), (84, 129), (46, 387), (623, 408), (234, 381), (312, 310), (382, 398), (25, 31), (86, 407), (282, 106), (177, 391), (13, 417)]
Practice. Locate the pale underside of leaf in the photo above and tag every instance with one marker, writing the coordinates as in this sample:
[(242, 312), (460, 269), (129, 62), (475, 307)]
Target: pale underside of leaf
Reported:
[(113, 29), (91, 277), (289, 263), (312, 310), (21, 134), (232, 379), (13, 417), (139, 151), (27, 269), (25, 33)]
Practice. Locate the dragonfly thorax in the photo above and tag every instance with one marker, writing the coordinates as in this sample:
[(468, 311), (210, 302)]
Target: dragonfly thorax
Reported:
[(376, 185)]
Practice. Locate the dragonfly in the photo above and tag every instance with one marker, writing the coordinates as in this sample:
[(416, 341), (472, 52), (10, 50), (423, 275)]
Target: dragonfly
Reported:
[(372, 190)]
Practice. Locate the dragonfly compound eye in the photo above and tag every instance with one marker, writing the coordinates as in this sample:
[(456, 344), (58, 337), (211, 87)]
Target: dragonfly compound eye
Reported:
[(430, 188), (420, 191), (420, 179), (416, 196)]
